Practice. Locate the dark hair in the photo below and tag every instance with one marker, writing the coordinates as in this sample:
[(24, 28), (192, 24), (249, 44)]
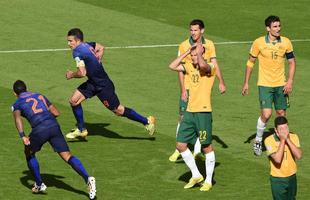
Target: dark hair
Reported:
[(197, 22), (76, 32), (271, 19), (279, 121), (19, 87)]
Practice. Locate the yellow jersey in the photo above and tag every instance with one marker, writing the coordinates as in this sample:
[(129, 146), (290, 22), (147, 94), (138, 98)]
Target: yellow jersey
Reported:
[(208, 55), (271, 57), (288, 166), (200, 87)]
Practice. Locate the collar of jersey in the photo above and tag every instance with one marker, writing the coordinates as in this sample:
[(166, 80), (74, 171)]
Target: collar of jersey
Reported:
[(268, 41), (25, 94), (191, 41), (276, 137)]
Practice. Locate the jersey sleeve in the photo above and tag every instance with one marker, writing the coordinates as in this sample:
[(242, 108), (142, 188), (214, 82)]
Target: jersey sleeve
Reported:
[(78, 59), (213, 69), (48, 103), (289, 47), (15, 107), (212, 50), (186, 68), (270, 147), (295, 140), (254, 51), (180, 50)]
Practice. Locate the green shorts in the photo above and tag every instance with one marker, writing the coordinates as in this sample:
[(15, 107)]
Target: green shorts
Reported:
[(183, 105), (193, 125), (284, 188), (273, 95)]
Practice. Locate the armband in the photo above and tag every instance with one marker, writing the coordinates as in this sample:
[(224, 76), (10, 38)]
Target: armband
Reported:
[(22, 134), (250, 64), (79, 62), (290, 55)]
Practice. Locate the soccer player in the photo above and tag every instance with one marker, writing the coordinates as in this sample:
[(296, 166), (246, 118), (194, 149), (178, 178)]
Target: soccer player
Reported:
[(196, 32), (41, 114), (271, 51), (197, 119), (283, 150), (88, 63)]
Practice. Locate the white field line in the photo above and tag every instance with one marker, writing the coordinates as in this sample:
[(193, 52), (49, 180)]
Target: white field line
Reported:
[(136, 47)]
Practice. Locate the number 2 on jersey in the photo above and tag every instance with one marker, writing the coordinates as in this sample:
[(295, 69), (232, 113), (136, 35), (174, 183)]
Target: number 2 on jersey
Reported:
[(34, 107)]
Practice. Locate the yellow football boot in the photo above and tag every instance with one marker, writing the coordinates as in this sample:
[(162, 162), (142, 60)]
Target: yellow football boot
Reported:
[(193, 181)]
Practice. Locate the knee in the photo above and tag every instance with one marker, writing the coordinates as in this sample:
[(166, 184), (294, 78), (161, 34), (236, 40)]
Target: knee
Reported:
[(65, 156), (28, 152), (73, 102), (280, 113), (265, 116), (181, 147), (207, 148), (119, 111)]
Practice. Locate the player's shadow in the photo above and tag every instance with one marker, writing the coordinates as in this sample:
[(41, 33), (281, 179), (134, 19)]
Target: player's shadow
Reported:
[(100, 129), (267, 133), (220, 141), (50, 180), (202, 169)]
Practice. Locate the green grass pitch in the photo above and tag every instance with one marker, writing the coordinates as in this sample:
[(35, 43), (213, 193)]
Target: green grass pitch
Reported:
[(127, 163)]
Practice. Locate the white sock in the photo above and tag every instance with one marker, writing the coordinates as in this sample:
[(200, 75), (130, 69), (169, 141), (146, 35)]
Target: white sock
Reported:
[(197, 147), (260, 130), (190, 162), (210, 163)]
